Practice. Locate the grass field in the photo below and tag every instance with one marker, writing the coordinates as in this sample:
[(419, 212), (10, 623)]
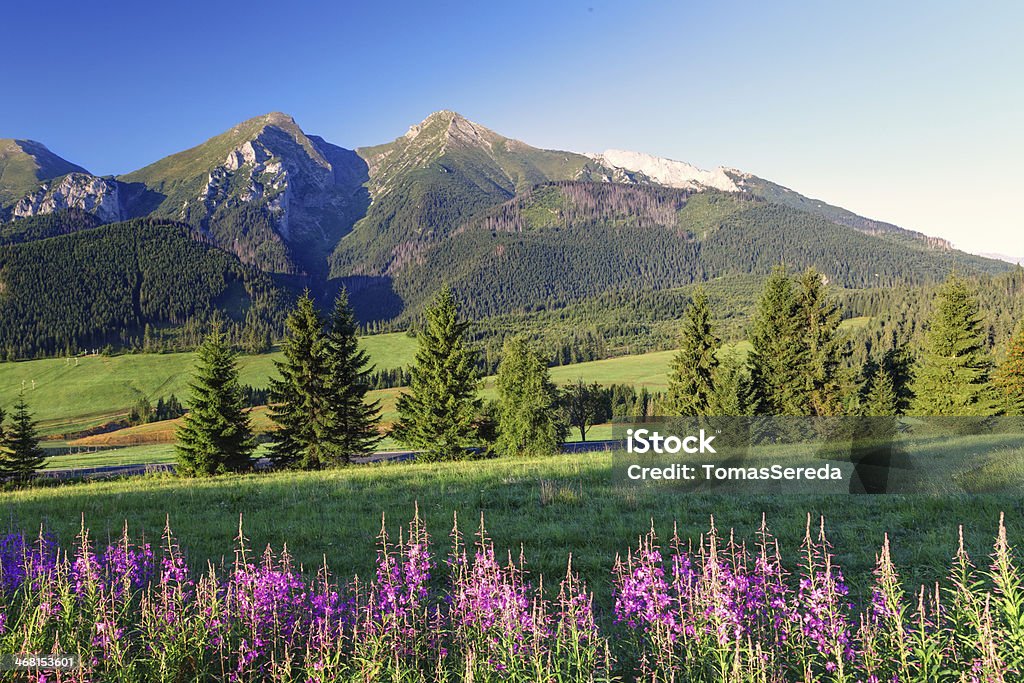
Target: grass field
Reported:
[(69, 396), (550, 507)]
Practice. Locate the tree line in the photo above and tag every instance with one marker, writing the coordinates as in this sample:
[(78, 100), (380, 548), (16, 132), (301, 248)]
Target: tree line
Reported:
[(797, 364)]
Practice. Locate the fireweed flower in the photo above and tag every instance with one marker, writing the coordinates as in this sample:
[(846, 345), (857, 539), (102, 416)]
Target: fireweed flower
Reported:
[(705, 610)]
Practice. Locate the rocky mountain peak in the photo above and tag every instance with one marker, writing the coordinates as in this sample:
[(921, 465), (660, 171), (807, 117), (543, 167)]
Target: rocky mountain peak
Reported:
[(24, 164), (98, 196), (667, 172)]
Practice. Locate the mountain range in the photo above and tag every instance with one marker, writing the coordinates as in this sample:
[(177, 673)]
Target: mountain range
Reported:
[(508, 225)]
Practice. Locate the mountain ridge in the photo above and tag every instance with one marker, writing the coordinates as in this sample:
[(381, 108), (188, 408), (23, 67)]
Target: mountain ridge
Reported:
[(377, 218)]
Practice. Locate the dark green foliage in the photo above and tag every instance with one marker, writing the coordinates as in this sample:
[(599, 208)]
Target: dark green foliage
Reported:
[(625, 400), (797, 355), (20, 454), (735, 394), (103, 286), (353, 429), (820, 317), (437, 415), (47, 225), (565, 242), (691, 380), (584, 404), (879, 397), (141, 412), (952, 376), (779, 354), (167, 409), (529, 421), (1009, 377), (300, 397), (215, 436)]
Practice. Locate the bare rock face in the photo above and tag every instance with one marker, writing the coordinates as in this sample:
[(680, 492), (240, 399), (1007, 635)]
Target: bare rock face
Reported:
[(285, 173), (98, 196)]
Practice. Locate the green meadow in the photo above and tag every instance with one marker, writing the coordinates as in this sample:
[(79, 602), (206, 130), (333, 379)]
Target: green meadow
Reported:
[(548, 507)]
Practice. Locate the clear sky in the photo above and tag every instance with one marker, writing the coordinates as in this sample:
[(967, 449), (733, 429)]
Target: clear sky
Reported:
[(908, 112)]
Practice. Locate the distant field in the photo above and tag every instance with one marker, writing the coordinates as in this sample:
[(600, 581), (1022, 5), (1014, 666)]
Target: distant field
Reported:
[(69, 396)]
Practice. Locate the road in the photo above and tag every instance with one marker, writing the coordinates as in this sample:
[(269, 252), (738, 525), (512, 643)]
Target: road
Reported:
[(110, 471)]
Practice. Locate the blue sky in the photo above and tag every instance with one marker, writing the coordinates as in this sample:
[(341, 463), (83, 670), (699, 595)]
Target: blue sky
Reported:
[(908, 112)]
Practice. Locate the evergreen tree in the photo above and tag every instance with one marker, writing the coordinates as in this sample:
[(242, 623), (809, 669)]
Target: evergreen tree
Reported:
[(879, 396), (353, 428), (820, 317), (299, 398), (583, 405), (437, 415), (1009, 377), (955, 365), (734, 395), (779, 352), (691, 379), (21, 457), (215, 435), (528, 416)]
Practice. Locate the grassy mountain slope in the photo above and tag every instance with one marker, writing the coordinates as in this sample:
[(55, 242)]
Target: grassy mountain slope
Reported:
[(439, 174), (566, 242), (24, 164), (263, 190)]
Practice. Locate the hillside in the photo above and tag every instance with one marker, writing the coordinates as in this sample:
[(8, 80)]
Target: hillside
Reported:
[(263, 190), (514, 228), (106, 285), (564, 243), (24, 164), (427, 182)]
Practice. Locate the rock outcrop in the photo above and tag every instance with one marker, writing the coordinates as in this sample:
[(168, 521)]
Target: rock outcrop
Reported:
[(98, 196)]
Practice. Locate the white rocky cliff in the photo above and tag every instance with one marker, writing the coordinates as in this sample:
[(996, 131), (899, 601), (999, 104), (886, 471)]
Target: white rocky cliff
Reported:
[(98, 196), (665, 171)]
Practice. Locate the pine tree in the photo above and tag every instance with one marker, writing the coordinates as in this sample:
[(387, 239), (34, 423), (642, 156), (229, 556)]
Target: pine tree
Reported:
[(215, 435), (1009, 377), (820, 317), (528, 417), (299, 398), (437, 415), (691, 380), (955, 365), (779, 352), (21, 457), (353, 428)]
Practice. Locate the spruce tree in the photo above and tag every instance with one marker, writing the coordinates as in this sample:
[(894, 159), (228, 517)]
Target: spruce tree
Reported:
[(438, 413), (529, 421), (21, 457), (825, 346), (955, 365), (779, 353), (879, 396), (299, 398), (734, 395), (215, 435), (353, 428), (1009, 377), (691, 379)]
